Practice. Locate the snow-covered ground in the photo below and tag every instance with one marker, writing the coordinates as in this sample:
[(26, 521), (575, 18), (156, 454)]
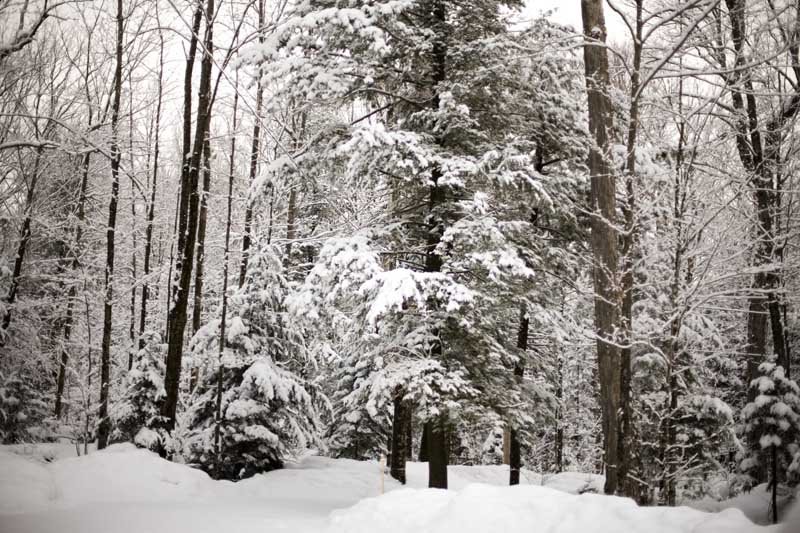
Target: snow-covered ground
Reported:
[(125, 490)]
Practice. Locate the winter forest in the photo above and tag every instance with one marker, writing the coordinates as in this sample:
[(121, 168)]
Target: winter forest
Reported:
[(327, 248)]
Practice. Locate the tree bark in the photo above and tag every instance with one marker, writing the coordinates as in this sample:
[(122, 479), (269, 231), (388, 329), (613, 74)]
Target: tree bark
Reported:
[(134, 265), (189, 181), (254, 152), (104, 427), (400, 443), (423, 443), (759, 154), (437, 453), (436, 428), (628, 487), (560, 416), (515, 456), (607, 297), (197, 309)]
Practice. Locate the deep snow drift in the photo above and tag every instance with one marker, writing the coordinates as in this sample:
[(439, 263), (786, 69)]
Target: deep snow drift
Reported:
[(123, 489)]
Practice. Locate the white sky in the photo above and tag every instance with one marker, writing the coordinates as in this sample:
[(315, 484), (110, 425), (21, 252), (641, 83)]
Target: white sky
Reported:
[(569, 12)]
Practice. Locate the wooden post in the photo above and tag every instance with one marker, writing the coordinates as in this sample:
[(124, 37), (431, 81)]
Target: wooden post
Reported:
[(383, 469)]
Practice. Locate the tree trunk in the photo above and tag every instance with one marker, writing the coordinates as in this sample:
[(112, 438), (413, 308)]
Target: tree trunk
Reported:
[(148, 245), (400, 444), (73, 290), (172, 261), (437, 435), (515, 456), (423, 443), (197, 309), (437, 453), (189, 181), (758, 156), (560, 415), (628, 487), (224, 311), (254, 152), (604, 235), (291, 233), (134, 266), (104, 427), (409, 433)]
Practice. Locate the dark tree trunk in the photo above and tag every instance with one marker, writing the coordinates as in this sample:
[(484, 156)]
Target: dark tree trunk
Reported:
[(134, 260), (197, 307), (437, 454), (189, 182), (410, 433), (423, 443), (104, 427), (436, 429), (607, 299), (515, 456), (197, 310), (172, 262), (185, 190), (758, 154), (560, 416), (400, 443), (254, 152)]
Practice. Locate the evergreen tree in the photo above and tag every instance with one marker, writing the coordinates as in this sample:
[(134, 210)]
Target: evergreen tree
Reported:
[(772, 426), (136, 416), (267, 413), (23, 409), (446, 137)]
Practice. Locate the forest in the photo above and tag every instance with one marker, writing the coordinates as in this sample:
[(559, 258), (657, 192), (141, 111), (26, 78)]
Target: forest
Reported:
[(238, 233)]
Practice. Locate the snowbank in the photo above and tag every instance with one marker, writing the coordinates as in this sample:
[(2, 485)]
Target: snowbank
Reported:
[(24, 484), (525, 509), (755, 504), (127, 490), (459, 477)]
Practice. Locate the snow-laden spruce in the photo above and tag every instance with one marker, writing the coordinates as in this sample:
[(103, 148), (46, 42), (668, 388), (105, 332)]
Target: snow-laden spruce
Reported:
[(772, 425), (267, 412), (136, 416), (460, 129)]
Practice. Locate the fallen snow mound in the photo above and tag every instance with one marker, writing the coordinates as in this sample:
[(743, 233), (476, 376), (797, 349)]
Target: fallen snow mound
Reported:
[(525, 509), (126, 490)]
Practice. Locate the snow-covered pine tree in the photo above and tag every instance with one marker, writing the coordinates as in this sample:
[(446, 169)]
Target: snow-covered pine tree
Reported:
[(438, 134), (136, 416), (772, 425), (268, 415)]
